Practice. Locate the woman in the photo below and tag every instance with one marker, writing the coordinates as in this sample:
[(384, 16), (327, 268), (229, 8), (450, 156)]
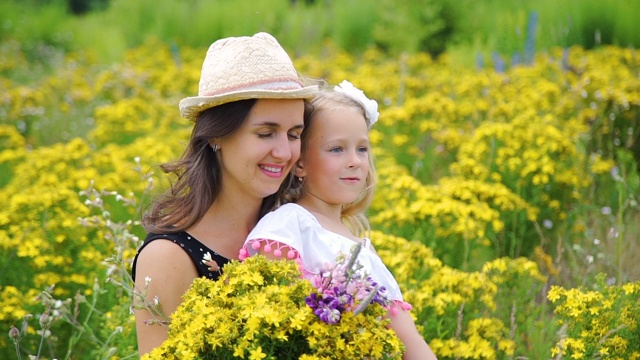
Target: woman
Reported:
[(248, 119)]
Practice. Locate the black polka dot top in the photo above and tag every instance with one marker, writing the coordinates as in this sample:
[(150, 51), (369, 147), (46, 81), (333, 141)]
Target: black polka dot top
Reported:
[(191, 246)]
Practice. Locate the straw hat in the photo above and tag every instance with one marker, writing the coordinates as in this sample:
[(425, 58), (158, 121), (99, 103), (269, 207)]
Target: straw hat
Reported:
[(247, 67)]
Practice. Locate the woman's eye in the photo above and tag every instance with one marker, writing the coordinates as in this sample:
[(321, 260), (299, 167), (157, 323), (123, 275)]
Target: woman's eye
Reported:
[(294, 136), (264, 135)]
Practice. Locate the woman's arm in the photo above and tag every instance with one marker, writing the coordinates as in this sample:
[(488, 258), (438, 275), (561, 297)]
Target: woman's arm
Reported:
[(416, 347), (171, 271)]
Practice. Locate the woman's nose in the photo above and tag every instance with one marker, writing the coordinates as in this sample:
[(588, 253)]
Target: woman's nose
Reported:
[(282, 148)]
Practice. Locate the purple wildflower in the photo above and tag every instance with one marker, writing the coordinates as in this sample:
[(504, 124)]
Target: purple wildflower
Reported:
[(343, 287)]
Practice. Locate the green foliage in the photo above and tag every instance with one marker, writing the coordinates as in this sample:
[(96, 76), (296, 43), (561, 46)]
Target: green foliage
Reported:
[(598, 322), (35, 24), (488, 314), (590, 23), (465, 27), (80, 7), (431, 25), (449, 145), (96, 320)]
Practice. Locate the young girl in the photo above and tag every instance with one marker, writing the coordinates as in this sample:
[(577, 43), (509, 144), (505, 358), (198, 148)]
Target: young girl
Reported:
[(324, 213)]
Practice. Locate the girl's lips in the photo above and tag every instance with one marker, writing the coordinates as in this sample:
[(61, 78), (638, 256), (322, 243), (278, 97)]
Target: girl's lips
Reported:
[(350, 179), (274, 171)]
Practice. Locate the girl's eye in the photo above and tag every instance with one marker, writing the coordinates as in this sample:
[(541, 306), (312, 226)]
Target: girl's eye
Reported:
[(335, 149), (363, 149)]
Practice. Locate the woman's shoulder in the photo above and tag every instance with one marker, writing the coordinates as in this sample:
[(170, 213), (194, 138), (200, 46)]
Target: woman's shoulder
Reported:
[(182, 238), (191, 253), (160, 252), (164, 249), (151, 245), (170, 236), (173, 240)]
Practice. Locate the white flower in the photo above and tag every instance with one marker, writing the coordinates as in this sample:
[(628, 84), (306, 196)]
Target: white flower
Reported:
[(370, 106), (208, 260)]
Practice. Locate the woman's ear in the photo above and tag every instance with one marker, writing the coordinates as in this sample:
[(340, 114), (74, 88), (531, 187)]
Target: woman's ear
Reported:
[(298, 169), (215, 146)]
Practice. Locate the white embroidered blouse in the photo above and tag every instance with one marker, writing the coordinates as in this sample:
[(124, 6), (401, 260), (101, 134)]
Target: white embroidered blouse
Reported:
[(312, 246)]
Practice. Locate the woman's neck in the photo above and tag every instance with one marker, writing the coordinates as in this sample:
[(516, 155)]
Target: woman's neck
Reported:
[(225, 226)]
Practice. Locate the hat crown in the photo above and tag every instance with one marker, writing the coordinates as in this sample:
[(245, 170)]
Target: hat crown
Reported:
[(244, 63), (246, 67)]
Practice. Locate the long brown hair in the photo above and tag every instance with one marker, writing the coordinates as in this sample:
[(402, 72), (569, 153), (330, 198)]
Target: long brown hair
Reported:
[(198, 174)]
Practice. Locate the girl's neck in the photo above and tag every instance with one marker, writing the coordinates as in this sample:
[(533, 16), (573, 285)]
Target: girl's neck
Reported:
[(317, 206), (328, 215)]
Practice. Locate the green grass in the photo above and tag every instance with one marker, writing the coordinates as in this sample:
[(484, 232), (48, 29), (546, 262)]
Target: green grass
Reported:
[(466, 27)]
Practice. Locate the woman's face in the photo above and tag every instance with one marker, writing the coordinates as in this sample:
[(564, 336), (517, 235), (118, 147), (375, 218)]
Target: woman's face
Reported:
[(257, 157)]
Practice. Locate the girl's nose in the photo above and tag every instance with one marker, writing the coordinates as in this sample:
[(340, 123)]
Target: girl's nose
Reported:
[(354, 159)]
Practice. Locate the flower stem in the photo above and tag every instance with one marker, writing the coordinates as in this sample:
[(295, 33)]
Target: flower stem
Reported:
[(355, 250), (18, 350), (366, 301)]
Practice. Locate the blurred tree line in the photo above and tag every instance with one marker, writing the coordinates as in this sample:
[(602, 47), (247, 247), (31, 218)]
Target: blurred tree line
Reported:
[(464, 28), (79, 7)]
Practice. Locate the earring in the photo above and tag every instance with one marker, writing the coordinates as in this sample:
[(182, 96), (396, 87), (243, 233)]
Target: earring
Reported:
[(215, 147), (300, 179)]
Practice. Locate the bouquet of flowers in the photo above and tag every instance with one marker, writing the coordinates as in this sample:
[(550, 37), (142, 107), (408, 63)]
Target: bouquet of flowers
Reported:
[(343, 287), (264, 309)]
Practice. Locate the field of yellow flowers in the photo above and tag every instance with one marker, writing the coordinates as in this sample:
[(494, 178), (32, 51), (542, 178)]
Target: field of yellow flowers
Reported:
[(507, 204)]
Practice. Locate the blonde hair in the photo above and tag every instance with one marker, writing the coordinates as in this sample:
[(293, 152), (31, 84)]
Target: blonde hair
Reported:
[(353, 214)]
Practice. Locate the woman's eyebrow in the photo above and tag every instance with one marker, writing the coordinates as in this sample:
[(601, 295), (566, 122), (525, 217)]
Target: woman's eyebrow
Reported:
[(276, 125)]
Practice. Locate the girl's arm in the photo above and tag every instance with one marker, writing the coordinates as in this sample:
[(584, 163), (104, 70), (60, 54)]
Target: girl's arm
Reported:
[(416, 347), (404, 326), (171, 272)]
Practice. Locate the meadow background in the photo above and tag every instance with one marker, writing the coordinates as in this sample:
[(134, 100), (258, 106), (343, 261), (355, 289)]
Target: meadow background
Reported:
[(507, 150)]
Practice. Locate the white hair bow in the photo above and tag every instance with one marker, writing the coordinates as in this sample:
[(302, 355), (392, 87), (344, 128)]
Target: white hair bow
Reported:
[(370, 106)]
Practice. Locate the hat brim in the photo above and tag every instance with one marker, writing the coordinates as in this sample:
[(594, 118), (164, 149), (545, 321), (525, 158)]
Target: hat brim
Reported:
[(191, 107)]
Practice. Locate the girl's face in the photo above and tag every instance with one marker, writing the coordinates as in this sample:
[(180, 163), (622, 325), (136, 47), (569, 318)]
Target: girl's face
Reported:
[(336, 159), (258, 156)]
